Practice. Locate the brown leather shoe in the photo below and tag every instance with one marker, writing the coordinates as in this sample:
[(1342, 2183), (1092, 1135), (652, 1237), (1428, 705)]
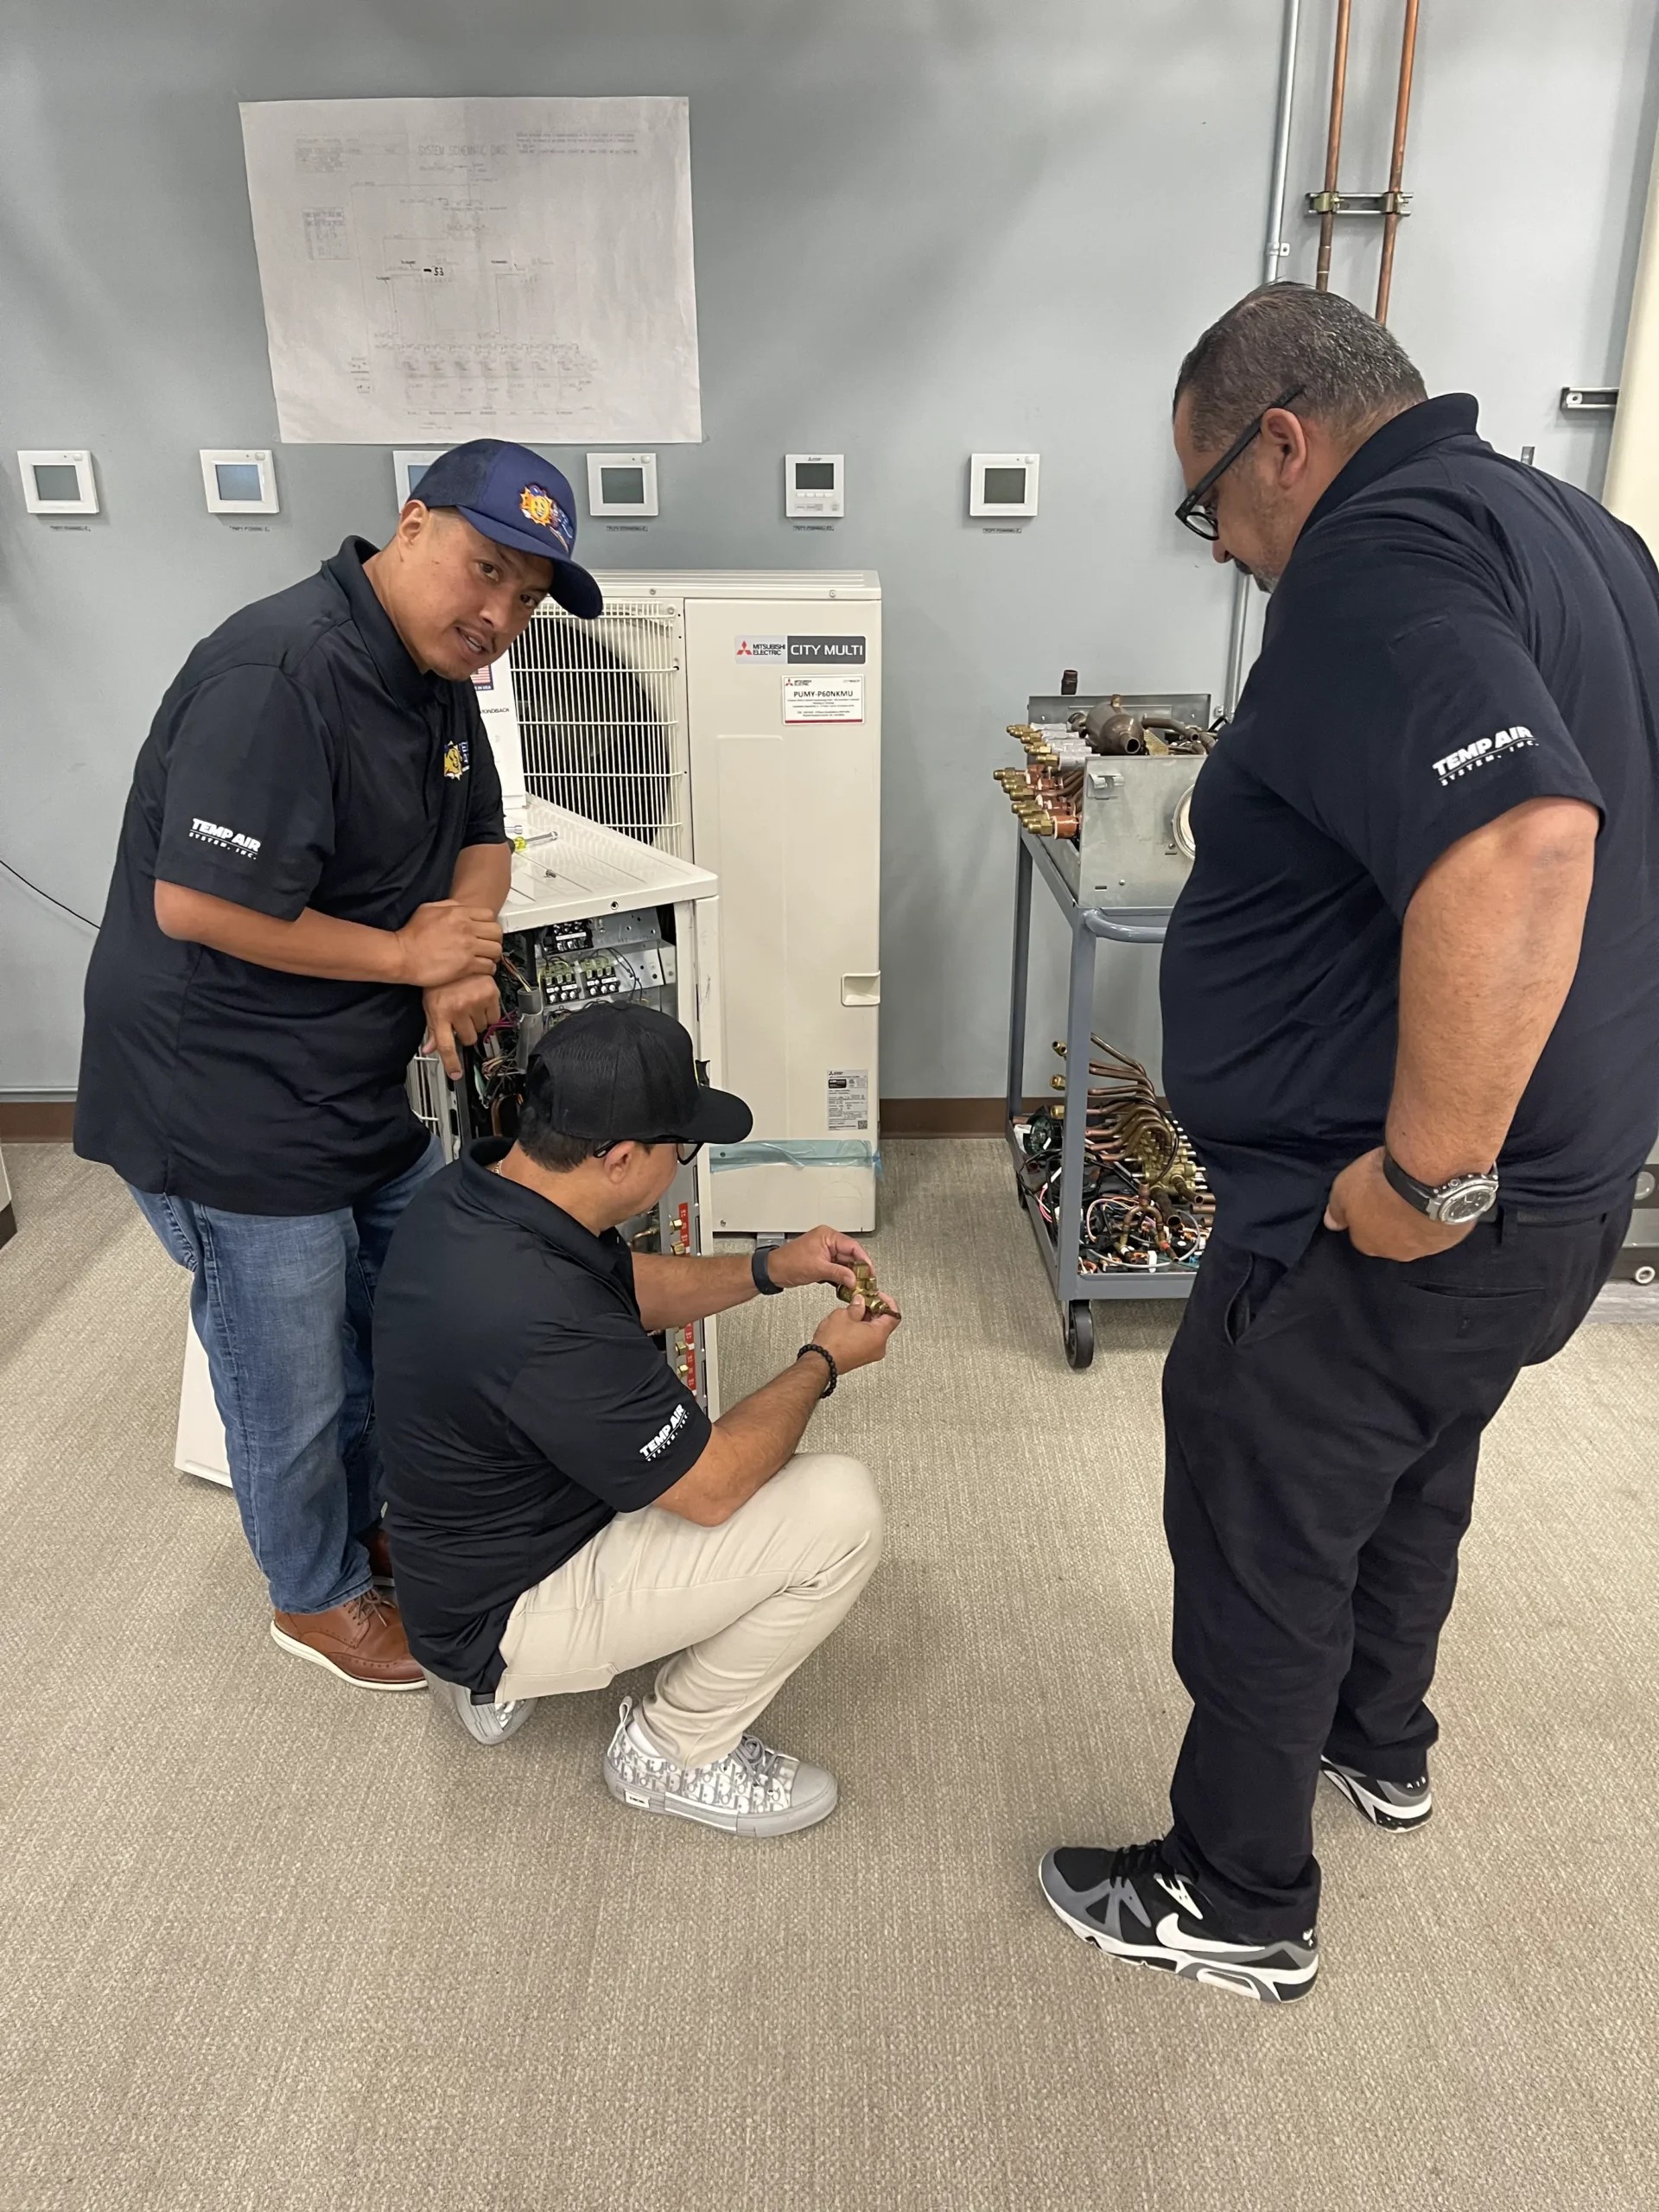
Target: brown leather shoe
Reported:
[(375, 1540), (361, 1640)]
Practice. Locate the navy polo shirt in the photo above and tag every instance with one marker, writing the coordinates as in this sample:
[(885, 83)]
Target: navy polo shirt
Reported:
[(521, 1405), (1455, 634), (300, 759)]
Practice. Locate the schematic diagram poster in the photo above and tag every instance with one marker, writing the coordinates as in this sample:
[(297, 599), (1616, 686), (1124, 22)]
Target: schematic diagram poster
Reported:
[(435, 270)]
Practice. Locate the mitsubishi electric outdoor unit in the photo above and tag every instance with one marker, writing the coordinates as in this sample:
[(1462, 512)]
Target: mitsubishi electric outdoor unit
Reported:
[(735, 720)]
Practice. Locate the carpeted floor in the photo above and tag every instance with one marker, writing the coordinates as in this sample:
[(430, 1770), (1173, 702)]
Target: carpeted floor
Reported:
[(268, 1942)]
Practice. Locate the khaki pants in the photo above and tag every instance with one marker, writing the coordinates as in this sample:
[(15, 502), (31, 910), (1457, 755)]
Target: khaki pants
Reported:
[(739, 1606)]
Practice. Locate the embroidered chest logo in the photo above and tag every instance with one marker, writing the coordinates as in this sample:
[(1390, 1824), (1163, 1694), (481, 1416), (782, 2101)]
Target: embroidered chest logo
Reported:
[(1483, 750), (457, 758)]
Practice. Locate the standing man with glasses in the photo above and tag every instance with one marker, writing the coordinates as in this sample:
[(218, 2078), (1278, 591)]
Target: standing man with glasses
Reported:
[(561, 1507), (1411, 1019)]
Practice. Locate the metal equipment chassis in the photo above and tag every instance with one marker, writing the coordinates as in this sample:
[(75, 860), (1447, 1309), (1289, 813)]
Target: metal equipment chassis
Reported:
[(1074, 1289)]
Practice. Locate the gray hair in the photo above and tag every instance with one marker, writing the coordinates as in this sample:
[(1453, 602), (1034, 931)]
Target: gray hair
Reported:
[(1352, 373)]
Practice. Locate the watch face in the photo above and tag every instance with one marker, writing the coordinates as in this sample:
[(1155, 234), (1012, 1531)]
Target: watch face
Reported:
[(1468, 1202)]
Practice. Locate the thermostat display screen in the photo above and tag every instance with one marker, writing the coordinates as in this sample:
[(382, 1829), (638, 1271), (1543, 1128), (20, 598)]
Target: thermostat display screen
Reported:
[(54, 480), (237, 480), (1004, 486), (622, 487), (416, 470), (815, 476)]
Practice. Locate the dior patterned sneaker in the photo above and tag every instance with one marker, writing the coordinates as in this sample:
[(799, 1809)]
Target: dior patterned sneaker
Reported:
[(752, 1791), (1384, 1804), (483, 1721), (1129, 1902)]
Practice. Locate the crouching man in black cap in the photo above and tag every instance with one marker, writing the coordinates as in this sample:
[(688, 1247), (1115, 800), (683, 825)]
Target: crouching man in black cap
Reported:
[(560, 1507)]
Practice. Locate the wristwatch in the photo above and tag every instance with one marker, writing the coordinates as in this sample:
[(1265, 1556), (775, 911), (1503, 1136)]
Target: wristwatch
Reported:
[(760, 1269), (1462, 1199)]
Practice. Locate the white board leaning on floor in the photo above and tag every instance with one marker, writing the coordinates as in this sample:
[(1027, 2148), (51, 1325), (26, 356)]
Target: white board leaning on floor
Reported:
[(435, 270)]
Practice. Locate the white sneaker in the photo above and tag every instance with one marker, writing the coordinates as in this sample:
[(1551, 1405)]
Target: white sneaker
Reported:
[(752, 1791), (485, 1724)]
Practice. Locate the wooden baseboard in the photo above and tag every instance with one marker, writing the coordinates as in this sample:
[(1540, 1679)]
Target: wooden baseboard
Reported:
[(53, 1123), (945, 1117), (49, 1121)]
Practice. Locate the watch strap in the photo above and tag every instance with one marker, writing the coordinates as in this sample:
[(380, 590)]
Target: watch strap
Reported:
[(1427, 1197), (760, 1269), (1414, 1193), (829, 1389)]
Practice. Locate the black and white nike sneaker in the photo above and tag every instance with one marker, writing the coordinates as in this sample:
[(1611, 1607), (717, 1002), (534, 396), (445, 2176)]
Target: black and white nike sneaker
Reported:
[(1385, 1804), (1127, 1903)]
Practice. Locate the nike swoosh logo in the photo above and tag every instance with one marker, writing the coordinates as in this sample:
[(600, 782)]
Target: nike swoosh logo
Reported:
[(1174, 1937)]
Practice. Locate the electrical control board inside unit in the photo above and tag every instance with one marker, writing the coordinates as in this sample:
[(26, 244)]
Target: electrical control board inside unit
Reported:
[(549, 973)]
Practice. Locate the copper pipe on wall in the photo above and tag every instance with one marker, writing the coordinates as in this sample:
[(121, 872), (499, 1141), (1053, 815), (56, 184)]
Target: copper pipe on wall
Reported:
[(1333, 145), (1397, 165)]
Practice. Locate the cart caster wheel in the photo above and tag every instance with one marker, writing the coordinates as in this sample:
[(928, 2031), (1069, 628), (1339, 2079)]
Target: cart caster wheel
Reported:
[(1079, 1334)]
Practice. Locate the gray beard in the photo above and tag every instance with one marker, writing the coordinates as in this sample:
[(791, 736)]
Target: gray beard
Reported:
[(1264, 580)]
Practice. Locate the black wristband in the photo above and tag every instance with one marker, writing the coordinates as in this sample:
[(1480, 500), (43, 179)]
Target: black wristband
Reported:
[(760, 1268), (829, 1389)]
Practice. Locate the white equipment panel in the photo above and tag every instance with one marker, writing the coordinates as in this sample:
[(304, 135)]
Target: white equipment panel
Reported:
[(815, 484), (238, 480), (622, 483), (790, 753), (58, 480), (1003, 483), (734, 718), (570, 870)]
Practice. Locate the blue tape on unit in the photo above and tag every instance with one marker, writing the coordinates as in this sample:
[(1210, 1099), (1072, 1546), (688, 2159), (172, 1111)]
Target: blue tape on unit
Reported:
[(798, 1152)]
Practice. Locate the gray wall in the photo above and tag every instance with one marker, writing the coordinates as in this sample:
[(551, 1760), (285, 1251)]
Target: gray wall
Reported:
[(922, 226)]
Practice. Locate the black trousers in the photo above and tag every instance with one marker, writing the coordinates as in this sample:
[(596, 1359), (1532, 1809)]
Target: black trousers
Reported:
[(1322, 1425)]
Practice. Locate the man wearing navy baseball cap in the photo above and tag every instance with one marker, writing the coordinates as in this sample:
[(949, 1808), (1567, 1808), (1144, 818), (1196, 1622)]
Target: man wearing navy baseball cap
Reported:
[(561, 1507), (307, 880)]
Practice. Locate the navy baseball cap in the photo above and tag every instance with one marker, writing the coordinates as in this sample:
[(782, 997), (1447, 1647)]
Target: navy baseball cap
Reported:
[(615, 1071), (517, 498)]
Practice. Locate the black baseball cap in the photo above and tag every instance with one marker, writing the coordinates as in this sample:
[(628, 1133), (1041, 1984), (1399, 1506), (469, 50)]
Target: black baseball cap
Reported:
[(615, 1071), (516, 499)]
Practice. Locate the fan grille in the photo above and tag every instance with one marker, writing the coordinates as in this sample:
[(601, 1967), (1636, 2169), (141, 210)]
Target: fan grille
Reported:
[(600, 719)]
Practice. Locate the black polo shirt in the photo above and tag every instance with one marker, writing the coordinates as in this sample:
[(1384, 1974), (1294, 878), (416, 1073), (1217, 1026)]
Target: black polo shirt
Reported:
[(520, 1403), (1454, 633), (300, 760)]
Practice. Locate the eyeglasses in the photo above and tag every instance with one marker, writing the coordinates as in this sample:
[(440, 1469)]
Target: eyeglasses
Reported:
[(1195, 512), (685, 1150)]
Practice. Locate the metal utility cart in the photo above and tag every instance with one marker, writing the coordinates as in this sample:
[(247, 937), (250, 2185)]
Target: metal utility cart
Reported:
[(1074, 1286), (1129, 845)]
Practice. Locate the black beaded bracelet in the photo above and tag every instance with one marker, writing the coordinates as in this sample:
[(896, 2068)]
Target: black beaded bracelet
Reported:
[(829, 1389), (760, 1269)]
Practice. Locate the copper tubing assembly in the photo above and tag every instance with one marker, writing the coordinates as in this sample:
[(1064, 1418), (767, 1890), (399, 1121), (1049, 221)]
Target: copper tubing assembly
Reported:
[(1398, 160), (1044, 796), (1333, 146)]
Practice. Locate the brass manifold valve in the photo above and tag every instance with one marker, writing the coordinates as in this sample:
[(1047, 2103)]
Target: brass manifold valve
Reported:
[(1043, 795)]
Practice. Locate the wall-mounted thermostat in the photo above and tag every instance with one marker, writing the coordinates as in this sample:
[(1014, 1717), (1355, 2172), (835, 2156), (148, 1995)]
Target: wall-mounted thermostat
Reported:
[(815, 484), (621, 483), (1002, 484), (238, 480), (409, 467), (59, 481)]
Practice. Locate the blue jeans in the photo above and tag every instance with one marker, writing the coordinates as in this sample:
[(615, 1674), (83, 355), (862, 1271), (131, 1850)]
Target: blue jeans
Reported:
[(282, 1304)]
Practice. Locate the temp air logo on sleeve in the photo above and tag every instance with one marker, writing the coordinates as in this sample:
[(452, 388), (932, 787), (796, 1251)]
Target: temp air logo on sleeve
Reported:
[(224, 839), (537, 504), (457, 758), (656, 1445), (1483, 750)]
